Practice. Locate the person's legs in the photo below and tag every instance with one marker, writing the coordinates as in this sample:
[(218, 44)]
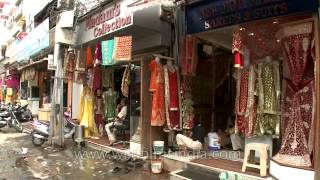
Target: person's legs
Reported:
[(236, 142), (188, 142), (110, 134)]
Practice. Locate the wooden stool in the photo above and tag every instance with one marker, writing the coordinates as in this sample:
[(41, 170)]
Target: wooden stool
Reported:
[(263, 149)]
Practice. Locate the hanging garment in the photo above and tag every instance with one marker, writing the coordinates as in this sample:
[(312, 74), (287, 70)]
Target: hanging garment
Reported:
[(122, 48), (89, 77), (126, 81), (87, 113), (299, 97), (268, 91), (157, 88), (81, 63), (97, 78), (189, 56), (107, 77), (110, 105), (187, 110), (172, 97), (107, 48), (97, 54), (99, 113), (245, 105), (89, 62), (69, 66)]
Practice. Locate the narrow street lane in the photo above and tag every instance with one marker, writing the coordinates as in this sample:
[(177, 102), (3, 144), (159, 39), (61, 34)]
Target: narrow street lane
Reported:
[(46, 163)]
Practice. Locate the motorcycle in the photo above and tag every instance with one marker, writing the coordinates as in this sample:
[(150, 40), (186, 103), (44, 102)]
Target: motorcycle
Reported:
[(9, 118), (40, 132)]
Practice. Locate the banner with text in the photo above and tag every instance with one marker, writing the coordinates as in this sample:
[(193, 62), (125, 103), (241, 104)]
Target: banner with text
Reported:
[(212, 14)]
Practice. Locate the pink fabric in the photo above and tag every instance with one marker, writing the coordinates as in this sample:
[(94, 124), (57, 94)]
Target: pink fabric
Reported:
[(13, 82)]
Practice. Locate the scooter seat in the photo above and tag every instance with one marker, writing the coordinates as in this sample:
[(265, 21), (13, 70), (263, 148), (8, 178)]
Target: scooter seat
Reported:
[(44, 122), (4, 114)]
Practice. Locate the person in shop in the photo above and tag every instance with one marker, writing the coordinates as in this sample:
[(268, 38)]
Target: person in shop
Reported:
[(192, 139), (236, 140), (122, 110)]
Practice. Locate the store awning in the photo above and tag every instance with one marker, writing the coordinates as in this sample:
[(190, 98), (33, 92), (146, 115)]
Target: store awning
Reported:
[(145, 25)]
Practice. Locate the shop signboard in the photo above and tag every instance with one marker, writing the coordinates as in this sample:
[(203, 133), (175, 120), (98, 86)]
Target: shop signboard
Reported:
[(111, 19), (212, 14)]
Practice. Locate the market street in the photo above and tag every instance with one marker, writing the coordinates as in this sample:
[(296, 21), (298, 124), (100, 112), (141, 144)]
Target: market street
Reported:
[(45, 163)]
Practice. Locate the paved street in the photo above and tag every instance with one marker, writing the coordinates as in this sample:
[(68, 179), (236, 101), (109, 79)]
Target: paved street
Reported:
[(46, 163)]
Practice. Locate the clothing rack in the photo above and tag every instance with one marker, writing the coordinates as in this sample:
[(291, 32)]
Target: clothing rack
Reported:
[(163, 57)]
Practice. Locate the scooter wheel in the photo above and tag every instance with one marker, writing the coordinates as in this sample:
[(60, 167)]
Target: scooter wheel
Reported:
[(18, 127), (37, 141)]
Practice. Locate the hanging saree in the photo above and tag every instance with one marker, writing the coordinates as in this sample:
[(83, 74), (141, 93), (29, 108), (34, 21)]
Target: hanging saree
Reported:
[(157, 88), (172, 107), (189, 56), (107, 74), (97, 55), (87, 113), (299, 97), (122, 48), (110, 104), (268, 90), (89, 61), (187, 110), (97, 78), (245, 105), (125, 84), (107, 52)]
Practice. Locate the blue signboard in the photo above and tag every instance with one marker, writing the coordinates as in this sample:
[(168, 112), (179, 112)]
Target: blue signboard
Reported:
[(212, 14)]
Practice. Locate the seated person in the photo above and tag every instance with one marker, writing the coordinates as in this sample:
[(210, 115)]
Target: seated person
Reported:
[(236, 140), (193, 139), (121, 115)]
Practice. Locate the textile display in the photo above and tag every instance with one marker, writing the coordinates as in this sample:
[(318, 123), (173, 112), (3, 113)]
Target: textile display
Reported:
[(157, 88), (245, 105), (187, 110), (299, 97), (268, 91), (110, 104), (87, 113), (89, 60), (122, 48), (97, 54), (97, 78), (125, 85), (89, 77), (69, 65), (255, 45), (107, 48), (189, 56), (81, 62), (107, 74), (172, 107)]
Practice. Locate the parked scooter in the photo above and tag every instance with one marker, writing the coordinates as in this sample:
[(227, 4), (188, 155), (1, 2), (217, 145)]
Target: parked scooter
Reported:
[(40, 132), (9, 118)]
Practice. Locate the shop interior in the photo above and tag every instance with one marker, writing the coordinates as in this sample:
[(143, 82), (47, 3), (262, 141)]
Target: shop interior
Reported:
[(261, 110)]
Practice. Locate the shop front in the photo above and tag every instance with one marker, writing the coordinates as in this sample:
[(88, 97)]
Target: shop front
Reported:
[(111, 73), (253, 77)]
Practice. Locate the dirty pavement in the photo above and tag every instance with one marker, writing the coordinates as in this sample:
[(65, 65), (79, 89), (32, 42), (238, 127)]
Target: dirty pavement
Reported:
[(19, 159)]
